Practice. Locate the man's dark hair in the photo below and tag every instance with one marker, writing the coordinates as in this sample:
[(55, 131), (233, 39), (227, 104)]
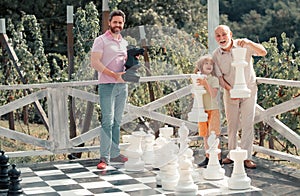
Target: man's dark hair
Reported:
[(116, 13)]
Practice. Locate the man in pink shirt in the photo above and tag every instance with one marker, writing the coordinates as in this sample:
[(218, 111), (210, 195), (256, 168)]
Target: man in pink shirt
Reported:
[(108, 57)]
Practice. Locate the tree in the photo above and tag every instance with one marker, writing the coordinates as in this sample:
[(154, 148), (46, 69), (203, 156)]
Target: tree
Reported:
[(280, 64)]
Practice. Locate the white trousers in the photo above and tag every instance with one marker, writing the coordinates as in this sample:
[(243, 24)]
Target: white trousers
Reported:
[(240, 115)]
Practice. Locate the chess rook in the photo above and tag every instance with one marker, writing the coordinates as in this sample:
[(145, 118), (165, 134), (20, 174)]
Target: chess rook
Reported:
[(239, 178), (240, 89)]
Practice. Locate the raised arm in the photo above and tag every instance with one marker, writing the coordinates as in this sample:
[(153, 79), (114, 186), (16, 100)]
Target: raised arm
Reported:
[(258, 48)]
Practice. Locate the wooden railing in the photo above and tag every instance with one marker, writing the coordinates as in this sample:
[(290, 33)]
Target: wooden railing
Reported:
[(58, 140)]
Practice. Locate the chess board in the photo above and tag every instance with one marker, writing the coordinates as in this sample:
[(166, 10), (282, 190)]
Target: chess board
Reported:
[(82, 178)]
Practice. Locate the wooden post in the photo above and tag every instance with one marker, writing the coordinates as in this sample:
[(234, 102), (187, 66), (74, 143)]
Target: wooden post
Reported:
[(58, 118), (90, 105), (147, 61), (70, 48), (213, 22)]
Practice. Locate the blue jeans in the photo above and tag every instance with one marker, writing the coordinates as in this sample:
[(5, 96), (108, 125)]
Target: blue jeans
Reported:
[(113, 97)]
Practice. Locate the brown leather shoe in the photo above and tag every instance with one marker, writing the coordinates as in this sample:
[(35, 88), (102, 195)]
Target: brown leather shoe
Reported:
[(227, 161), (249, 164)]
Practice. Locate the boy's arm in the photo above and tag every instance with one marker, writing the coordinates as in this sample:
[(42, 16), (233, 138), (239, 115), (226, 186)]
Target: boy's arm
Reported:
[(212, 91)]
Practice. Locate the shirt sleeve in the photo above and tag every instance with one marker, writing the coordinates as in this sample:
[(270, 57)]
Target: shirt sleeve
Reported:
[(98, 45)]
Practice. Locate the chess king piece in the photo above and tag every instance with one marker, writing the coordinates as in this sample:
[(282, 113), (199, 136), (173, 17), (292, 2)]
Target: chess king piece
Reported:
[(4, 178), (132, 64), (134, 153), (213, 171), (240, 89), (239, 178), (186, 185), (14, 178), (197, 113)]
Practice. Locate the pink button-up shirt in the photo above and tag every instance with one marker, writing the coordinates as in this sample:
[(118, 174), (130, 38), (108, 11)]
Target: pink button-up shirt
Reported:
[(114, 54)]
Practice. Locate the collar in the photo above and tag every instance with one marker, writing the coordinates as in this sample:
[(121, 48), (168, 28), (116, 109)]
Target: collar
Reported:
[(109, 35), (234, 45)]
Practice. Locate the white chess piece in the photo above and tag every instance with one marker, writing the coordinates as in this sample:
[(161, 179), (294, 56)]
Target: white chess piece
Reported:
[(183, 133), (166, 132), (239, 178), (166, 161), (186, 185), (197, 113), (213, 171), (240, 89), (134, 153), (148, 151)]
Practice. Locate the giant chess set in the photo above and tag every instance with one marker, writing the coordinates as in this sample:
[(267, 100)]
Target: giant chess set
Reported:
[(161, 166), (156, 166)]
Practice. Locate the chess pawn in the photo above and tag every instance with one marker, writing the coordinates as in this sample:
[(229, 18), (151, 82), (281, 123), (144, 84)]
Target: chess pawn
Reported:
[(134, 153), (239, 178), (14, 185), (197, 113), (240, 89), (4, 178), (186, 185), (213, 171), (195, 174), (148, 151)]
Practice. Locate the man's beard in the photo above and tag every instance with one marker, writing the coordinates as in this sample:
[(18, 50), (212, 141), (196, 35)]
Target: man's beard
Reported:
[(227, 45), (116, 30)]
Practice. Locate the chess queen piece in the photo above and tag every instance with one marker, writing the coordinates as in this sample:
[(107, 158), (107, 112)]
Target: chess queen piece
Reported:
[(132, 64), (134, 153), (240, 89), (197, 113), (213, 171), (4, 178), (239, 178)]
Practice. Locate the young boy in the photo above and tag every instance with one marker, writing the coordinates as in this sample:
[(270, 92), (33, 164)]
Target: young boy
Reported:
[(205, 65)]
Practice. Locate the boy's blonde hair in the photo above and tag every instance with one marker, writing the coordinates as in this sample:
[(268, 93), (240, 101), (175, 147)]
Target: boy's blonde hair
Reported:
[(200, 63)]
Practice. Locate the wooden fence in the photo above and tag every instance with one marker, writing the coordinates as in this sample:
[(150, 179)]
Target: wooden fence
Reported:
[(58, 140)]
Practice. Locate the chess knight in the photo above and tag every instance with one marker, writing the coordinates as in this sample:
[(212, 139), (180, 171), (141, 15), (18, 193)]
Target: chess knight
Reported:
[(132, 64)]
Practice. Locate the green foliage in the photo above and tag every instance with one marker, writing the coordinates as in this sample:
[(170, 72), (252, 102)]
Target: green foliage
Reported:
[(261, 20), (279, 64)]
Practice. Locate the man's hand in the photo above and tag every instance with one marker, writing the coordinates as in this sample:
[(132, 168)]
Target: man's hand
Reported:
[(243, 42), (118, 76)]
